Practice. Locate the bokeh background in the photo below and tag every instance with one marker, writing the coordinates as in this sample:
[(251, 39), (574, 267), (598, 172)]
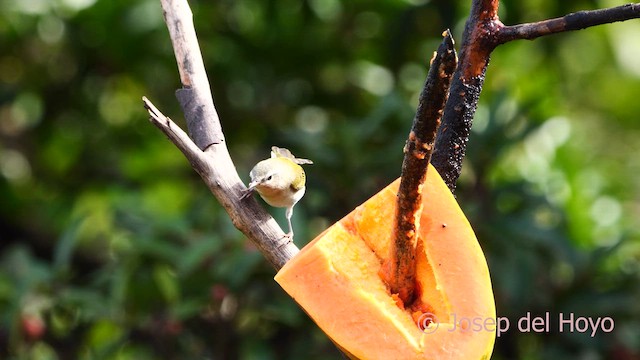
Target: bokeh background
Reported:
[(111, 247)]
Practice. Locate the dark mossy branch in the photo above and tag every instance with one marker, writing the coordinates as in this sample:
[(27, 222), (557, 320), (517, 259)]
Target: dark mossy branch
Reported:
[(475, 50), (574, 21), (399, 272), (483, 33)]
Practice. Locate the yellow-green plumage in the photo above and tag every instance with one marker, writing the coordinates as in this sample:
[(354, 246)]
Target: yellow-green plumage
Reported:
[(280, 180)]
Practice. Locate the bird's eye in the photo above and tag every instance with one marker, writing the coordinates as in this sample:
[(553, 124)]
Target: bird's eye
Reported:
[(269, 177)]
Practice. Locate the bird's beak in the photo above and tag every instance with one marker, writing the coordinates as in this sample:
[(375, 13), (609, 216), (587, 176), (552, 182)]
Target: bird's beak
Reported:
[(253, 184)]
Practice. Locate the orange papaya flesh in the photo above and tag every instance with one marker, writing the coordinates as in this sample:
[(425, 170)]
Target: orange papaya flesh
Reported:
[(336, 280)]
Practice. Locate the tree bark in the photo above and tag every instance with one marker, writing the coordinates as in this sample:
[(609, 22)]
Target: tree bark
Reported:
[(483, 33), (400, 271), (209, 156)]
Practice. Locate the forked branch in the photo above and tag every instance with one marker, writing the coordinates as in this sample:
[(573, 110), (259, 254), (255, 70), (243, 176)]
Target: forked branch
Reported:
[(483, 33), (208, 152)]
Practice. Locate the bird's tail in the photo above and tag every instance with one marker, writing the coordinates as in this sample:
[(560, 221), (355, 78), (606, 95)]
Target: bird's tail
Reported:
[(285, 153)]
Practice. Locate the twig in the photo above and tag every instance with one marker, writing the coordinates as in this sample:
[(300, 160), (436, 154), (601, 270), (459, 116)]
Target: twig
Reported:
[(575, 21), (483, 33), (178, 137), (399, 271), (213, 164)]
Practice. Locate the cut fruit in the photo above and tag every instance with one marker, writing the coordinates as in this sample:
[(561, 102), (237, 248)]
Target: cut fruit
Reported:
[(336, 280)]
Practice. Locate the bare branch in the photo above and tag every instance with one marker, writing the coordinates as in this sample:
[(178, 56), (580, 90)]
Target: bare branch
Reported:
[(214, 164), (195, 96), (399, 271), (575, 21), (218, 172), (173, 132)]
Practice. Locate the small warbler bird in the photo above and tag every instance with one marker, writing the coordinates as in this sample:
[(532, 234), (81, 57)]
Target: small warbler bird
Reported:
[(280, 181)]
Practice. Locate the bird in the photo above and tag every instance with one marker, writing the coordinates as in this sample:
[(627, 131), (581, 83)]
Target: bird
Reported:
[(280, 181)]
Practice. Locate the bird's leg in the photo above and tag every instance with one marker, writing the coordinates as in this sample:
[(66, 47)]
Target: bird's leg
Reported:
[(288, 237), (289, 213)]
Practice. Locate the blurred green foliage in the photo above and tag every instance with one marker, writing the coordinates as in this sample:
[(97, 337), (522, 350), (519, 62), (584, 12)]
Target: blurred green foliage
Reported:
[(112, 248)]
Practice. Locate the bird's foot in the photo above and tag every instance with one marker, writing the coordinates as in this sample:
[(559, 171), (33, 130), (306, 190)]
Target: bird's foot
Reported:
[(286, 239), (246, 194)]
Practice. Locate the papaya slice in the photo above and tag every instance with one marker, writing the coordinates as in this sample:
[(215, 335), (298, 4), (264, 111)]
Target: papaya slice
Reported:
[(336, 280)]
